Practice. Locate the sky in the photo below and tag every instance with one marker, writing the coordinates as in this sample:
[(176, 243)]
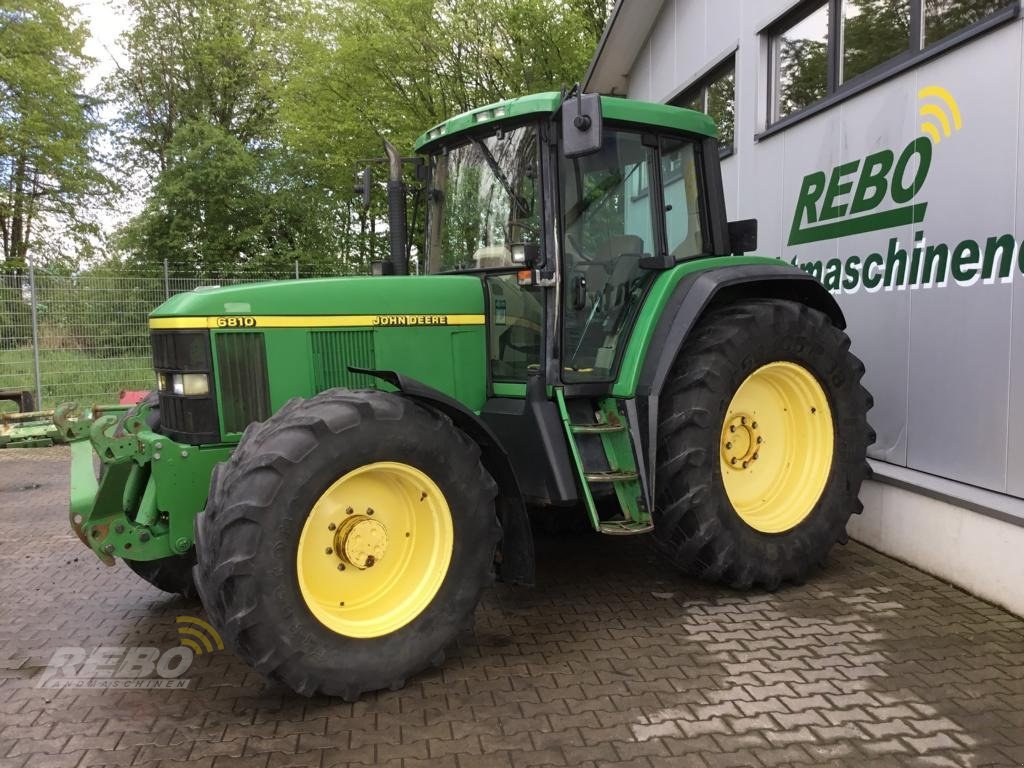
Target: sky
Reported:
[(106, 23)]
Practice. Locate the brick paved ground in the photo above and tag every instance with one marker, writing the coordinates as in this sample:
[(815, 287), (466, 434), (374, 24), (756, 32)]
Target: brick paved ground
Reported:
[(613, 661)]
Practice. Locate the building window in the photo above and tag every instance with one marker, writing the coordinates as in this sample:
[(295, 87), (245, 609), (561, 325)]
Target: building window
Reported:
[(823, 45), (715, 95), (942, 18), (801, 61), (874, 31)]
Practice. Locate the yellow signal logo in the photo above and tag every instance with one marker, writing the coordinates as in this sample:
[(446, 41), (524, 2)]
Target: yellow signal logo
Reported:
[(198, 635), (940, 114)]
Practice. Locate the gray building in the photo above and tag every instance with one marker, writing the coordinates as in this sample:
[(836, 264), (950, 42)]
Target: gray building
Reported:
[(880, 144)]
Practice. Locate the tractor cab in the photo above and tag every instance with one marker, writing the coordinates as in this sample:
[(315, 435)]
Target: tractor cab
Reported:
[(514, 197), (569, 209)]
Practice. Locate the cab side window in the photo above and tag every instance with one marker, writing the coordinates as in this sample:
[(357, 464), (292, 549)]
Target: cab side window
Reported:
[(608, 225)]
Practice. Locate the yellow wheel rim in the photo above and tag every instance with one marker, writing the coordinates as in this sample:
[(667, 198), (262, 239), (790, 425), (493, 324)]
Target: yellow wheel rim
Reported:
[(776, 448), (375, 549)]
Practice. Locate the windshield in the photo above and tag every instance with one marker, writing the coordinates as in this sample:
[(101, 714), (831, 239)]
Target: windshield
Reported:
[(484, 197)]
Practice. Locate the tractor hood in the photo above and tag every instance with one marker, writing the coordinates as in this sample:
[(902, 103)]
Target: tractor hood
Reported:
[(381, 300)]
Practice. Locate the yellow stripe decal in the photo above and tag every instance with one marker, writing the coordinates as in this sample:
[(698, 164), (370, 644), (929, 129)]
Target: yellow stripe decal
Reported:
[(311, 321)]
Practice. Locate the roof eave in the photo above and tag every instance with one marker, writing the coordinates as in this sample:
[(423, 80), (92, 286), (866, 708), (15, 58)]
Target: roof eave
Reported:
[(624, 35)]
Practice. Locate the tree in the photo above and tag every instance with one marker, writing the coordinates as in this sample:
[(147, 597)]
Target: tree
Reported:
[(216, 60), (251, 117), (221, 208), (48, 129), (365, 70)]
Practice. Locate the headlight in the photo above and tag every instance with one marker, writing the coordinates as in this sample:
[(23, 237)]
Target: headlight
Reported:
[(190, 383), (195, 383)]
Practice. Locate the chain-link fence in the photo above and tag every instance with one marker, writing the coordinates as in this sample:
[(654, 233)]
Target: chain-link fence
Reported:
[(85, 337)]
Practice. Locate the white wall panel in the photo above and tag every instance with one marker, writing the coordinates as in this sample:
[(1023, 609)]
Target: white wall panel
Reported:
[(946, 364)]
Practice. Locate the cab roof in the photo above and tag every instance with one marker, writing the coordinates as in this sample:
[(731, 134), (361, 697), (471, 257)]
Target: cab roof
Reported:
[(613, 108)]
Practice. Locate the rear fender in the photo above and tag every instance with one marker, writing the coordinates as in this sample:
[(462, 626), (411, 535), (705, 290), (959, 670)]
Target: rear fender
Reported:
[(696, 295)]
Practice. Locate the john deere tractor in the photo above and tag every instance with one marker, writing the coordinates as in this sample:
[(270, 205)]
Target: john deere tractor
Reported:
[(339, 467)]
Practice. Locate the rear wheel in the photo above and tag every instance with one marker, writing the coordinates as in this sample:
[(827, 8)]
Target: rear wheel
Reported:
[(346, 542), (763, 436)]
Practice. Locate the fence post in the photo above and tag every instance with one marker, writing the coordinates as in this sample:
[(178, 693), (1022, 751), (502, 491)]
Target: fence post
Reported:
[(296, 269), (35, 333), (167, 282)]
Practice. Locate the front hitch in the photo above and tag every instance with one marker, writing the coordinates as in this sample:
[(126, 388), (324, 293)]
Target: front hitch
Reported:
[(149, 490)]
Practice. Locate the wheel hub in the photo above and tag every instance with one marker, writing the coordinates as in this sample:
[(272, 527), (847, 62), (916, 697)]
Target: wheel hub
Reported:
[(361, 542), (741, 441), (774, 490), (375, 549)]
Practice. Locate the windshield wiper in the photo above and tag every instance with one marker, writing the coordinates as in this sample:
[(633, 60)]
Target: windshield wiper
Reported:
[(499, 174)]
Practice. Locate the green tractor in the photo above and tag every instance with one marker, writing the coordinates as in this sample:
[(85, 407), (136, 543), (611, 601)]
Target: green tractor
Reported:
[(340, 467)]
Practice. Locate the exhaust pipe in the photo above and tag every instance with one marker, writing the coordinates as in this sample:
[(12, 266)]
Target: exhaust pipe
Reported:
[(397, 223)]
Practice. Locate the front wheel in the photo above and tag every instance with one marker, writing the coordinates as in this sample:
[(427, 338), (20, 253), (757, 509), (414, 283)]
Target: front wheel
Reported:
[(171, 574), (347, 542), (762, 444)]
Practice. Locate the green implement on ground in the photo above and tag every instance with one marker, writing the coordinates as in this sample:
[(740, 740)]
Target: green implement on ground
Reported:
[(41, 429), (339, 467)]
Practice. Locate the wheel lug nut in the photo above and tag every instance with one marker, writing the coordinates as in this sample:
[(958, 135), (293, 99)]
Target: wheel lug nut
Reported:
[(331, 527), (759, 441), (733, 460), (744, 465), (341, 566), (732, 427), (754, 425), (743, 420), (349, 510), (754, 457), (369, 510), (329, 551), (728, 446)]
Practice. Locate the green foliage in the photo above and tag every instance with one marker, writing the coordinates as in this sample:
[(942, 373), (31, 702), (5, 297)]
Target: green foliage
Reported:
[(252, 117), (220, 61), (73, 375), (48, 130)]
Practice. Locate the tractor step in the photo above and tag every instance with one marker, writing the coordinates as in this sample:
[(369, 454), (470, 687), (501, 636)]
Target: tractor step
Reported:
[(610, 477), (602, 449), (624, 527), (596, 429)]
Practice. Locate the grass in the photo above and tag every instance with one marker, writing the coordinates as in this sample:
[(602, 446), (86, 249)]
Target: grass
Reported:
[(71, 374)]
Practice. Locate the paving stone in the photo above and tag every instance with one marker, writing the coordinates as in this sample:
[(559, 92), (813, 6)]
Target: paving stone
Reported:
[(869, 662)]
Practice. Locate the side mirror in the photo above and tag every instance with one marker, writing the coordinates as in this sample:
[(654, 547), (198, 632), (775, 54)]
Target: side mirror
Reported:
[(582, 125), (743, 236)]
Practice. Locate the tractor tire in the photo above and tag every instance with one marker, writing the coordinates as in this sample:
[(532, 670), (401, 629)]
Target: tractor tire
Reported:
[(171, 574), (762, 442), (346, 542)]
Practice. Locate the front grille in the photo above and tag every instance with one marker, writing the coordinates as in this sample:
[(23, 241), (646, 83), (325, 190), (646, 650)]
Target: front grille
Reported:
[(242, 377), (191, 420), (181, 350), (334, 352)]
